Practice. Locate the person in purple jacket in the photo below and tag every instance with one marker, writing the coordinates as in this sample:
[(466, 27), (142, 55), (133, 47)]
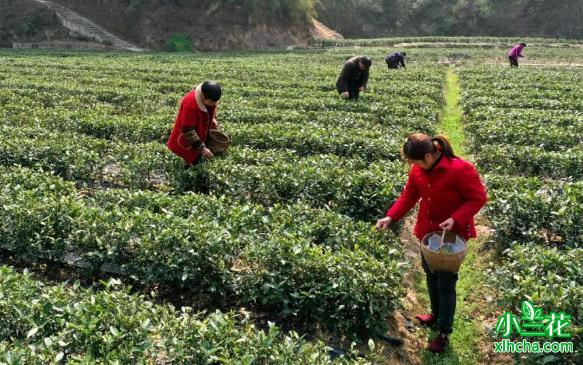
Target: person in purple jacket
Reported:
[(515, 53)]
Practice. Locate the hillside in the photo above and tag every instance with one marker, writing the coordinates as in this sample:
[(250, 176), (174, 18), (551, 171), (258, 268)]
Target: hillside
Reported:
[(27, 21), (262, 24), (381, 18), (209, 25)]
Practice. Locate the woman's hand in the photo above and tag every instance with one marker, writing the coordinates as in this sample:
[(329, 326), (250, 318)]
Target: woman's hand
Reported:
[(447, 224), (345, 94), (384, 223), (206, 153)]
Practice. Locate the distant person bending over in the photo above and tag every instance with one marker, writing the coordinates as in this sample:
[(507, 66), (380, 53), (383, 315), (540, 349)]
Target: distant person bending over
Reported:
[(395, 59), (354, 77), (195, 118), (515, 53)]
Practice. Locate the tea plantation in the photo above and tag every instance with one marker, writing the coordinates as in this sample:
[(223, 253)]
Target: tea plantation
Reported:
[(264, 254)]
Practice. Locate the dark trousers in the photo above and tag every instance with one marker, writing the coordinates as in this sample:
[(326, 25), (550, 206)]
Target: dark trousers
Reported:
[(441, 286), (513, 61), (392, 66), (353, 91)]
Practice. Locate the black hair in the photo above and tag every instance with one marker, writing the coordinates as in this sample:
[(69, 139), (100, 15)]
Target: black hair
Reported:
[(404, 53), (366, 61), (211, 90), (523, 44)]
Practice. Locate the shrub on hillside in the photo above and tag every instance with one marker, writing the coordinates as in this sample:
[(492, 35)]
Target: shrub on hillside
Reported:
[(179, 42)]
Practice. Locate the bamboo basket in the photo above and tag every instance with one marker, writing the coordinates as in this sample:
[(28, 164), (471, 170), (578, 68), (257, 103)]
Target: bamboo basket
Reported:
[(217, 141), (440, 261)]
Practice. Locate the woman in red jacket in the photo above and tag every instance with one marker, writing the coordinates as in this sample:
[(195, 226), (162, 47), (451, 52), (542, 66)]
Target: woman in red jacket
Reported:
[(196, 117), (451, 195)]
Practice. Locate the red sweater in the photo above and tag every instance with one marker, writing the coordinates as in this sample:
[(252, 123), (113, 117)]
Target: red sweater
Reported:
[(452, 189)]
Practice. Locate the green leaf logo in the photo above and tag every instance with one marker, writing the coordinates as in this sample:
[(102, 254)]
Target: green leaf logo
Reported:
[(528, 310)]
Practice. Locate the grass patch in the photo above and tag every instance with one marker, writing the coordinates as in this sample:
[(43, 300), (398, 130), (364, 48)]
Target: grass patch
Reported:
[(469, 341), (451, 118)]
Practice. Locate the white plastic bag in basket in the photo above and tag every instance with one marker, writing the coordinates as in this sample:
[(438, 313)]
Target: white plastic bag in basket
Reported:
[(435, 240)]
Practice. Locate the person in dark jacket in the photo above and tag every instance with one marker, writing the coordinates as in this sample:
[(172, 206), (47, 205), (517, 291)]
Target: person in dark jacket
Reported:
[(354, 77), (451, 194), (395, 59)]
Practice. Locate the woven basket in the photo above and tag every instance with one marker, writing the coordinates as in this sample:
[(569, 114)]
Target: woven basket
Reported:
[(440, 261), (217, 141)]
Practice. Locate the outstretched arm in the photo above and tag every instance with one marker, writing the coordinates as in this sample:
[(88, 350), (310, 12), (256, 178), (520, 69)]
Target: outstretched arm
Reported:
[(406, 201)]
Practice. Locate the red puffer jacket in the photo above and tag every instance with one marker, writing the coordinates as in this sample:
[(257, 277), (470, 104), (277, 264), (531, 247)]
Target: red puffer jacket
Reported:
[(452, 189)]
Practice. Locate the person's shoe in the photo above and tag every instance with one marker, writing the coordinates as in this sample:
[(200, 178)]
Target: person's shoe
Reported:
[(439, 343), (426, 319)]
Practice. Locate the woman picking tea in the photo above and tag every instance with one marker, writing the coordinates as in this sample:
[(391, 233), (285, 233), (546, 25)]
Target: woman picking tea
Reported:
[(451, 194)]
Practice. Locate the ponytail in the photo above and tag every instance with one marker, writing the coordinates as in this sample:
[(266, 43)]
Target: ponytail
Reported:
[(419, 144), (442, 145)]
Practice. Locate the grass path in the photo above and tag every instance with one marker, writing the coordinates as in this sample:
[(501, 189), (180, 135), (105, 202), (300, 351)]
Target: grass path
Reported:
[(451, 118), (469, 343)]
